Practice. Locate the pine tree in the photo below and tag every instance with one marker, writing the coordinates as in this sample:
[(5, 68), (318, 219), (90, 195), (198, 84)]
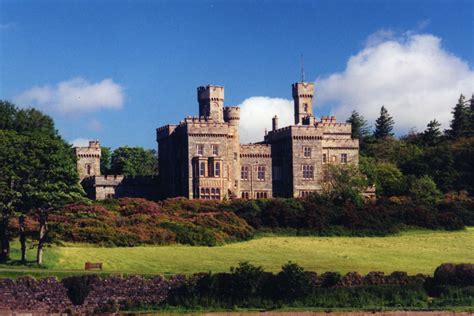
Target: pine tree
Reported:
[(384, 124), (360, 129), (460, 123), (432, 134)]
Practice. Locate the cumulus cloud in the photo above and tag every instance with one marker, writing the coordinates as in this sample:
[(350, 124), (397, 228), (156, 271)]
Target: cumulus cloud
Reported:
[(256, 114), (80, 142), (412, 75), (75, 95)]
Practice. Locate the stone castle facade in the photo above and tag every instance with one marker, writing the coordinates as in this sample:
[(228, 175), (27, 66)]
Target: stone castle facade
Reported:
[(202, 158)]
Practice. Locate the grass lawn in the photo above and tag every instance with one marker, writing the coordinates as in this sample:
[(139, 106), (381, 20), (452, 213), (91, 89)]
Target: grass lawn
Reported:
[(414, 252)]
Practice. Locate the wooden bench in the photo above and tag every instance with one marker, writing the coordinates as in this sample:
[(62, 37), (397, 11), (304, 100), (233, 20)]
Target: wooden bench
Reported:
[(93, 265)]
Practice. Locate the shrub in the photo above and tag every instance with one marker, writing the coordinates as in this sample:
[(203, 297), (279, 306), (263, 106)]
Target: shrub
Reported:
[(78, 287), (293, 283)]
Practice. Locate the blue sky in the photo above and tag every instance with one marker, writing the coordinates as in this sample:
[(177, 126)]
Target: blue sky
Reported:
[(135, 65)]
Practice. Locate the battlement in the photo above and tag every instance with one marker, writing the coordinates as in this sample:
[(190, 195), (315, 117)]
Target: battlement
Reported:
[(164, 131), (302, 89), (255, 151), (231, 113), (210, 92)]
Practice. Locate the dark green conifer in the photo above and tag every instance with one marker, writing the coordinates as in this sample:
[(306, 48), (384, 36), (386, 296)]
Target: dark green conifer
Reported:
[(384, 124)]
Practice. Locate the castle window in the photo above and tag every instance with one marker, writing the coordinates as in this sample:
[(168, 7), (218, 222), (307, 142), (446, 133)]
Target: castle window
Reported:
[(307, 152), (261, 173), (261, 194), (305, 107), (308, 172), (245, 195), (343, 158), (325, 159), (244, 172), (304, 194), (235, 156), (215, 150), (202, 169), (200, 149), (88, 169), (217, 170)]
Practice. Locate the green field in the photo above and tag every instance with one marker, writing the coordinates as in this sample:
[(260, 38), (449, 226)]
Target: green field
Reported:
[(414, 252)]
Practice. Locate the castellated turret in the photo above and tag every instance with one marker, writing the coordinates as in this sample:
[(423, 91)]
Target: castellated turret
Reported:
[(211, 102), (88, 160), (303, 93), (232, 115)]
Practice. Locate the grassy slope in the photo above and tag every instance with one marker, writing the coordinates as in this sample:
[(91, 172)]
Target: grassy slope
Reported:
[(415, 252)]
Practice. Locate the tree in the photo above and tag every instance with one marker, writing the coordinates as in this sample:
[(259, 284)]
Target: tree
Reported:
[(460, 122), (105, 160), (389, 179), (432, 134), (384, 124), (51, 182), (424, 190), (134, 161), (8, 114), (10, 143), (37, 172), (360, 129), (344, 183)]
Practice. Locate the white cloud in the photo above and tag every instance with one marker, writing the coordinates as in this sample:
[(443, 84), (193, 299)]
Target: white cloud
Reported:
[(412, 75), (256, 114), (80, 142), (75, 95)]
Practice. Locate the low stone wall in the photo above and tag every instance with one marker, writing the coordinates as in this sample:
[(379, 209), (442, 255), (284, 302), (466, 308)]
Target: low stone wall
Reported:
[(49, 295)]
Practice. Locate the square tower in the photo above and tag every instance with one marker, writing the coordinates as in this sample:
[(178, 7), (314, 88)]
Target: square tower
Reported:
[(211, 102), (303, 100), (88, 160)]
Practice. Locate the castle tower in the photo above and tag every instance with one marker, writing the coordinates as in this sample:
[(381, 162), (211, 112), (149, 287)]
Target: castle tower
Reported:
[(303, 100), (275, 123), (88, 160), (232, 117), (211, 102)]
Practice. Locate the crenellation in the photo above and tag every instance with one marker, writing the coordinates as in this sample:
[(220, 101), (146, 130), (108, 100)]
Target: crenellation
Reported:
[(202, 158)]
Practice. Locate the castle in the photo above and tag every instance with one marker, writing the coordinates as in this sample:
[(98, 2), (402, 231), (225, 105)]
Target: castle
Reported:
[(202, 158)]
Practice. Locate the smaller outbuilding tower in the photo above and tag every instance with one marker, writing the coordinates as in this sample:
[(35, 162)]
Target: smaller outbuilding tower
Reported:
[(88, 160)]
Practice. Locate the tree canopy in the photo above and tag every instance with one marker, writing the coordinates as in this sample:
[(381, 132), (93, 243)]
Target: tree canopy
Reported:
[(132, 161)]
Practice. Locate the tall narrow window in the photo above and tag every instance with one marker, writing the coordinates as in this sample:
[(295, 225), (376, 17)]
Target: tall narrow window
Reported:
[(305, 107), (308, 172), (217, 170), (215, 150), (343, 158), (261, 173), (202, 169), (88, 169), (244, 172), (307, 152), (325, 158), (200, 149)]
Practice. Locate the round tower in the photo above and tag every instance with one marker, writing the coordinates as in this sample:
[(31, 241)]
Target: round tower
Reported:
[(232, 117)]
